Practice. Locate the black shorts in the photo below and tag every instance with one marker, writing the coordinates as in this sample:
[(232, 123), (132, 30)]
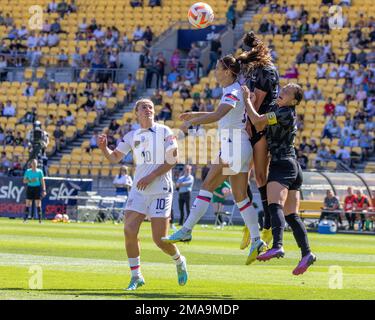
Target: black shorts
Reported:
[(33, 193), (287, 172), (256, 136)]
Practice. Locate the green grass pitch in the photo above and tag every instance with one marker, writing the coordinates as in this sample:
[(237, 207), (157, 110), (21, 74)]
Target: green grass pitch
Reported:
[(87, 261)]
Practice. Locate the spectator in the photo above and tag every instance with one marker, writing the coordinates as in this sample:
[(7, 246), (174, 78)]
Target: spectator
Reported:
[(184, 185), (366, 142), (320, 71), (157, 97), (52, 6), (292, 72), (5, 164), (29, 90), (154, 3), (100, 104), (16, 167), (29, 117), (160, 63), (61, 96), (166, 112), (302, 160), (264, 26), (231, 15), (3, 68), (52, 39), (62, 59), (113, 127), (322, 155), (2, 136), (9, 110), (9, 138), (62, 8), (217, 91), (136, 3), (314, 26), (69, 119), (340, 109), (58, 134), (110, 89), (329, 108), (350, 57), (150, 69), (71, 97), (49, 120), (274, 6), (361, 205), (343, 155), (122, 182), (89, 104), (285, 27), (93, 142), (18, 140), (138, 34), (292, 13), (215, 52), (130, 87), (331, 207), (148, 34), (175, 59)]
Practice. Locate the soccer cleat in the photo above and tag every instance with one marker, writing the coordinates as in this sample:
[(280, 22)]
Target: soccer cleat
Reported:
[(135, 283), (272, 253), (245, 238), (266, 236), (178, 236), (256, 248), (304, 264), (182, 273)]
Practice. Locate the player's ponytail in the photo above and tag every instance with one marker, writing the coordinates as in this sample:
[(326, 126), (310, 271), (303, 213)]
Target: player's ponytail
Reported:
[(258, 54)]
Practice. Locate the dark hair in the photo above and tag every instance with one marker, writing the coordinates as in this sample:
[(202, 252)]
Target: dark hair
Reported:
[(231, 63), (258, 54), (298, 92)]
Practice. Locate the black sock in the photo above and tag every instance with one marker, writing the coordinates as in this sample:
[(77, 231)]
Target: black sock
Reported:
[(299, 232), (39, 213), (27, 209), (267, 216), (278, 224), (249, 193)]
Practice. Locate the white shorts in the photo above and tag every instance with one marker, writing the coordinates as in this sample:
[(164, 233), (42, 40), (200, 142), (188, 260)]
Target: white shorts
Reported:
[(154, 206), (236, 151)]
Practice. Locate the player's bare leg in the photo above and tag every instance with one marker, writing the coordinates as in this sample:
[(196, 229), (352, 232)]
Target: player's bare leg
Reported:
[(133, 221), (160, 227)]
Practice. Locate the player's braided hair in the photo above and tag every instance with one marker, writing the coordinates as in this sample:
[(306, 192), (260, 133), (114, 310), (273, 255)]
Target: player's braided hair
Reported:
[(258, 54)]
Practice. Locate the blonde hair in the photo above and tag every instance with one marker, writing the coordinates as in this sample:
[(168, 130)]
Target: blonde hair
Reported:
[(141, 101)]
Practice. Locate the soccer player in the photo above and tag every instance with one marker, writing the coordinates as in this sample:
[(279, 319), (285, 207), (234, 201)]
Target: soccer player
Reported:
[(361, 205), (349, 207), (36, 189), (235, 156), (285, 174), (262, 78), (152, 191)]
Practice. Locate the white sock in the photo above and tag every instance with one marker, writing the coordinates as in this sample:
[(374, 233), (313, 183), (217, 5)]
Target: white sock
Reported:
[(177, 257), (250, 217), (135, 266), (198, 209)]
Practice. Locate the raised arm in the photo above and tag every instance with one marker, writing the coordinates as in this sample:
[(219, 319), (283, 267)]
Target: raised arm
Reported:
[(114, 156)]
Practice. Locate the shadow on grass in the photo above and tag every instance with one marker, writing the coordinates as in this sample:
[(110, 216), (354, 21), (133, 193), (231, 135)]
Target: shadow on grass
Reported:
[(125, 294)]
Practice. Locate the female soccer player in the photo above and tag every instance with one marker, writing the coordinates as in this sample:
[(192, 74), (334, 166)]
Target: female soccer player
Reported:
[(235, 151), (285, 174), (36, 189), (152, 189), (262, 79)]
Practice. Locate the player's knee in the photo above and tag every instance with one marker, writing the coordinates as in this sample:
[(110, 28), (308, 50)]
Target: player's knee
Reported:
[(261, 178), (159, 243), (130, 231)]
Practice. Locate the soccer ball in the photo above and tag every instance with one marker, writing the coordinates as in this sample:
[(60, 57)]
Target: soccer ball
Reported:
[(200, 15)]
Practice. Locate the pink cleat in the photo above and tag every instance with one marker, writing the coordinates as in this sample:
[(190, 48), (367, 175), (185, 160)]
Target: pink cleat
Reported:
[(304, 264), (272, 253)]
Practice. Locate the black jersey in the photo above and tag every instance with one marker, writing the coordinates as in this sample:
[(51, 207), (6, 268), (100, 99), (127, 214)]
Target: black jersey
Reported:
[(281, 132), (267, 80)]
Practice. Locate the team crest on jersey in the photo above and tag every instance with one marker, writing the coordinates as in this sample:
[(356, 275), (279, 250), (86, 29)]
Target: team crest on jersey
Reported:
[(231, 97), (137, 143), (170, 139)]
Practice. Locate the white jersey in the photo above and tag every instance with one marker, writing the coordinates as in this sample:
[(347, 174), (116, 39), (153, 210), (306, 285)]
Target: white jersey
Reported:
[(147, 145), (235, 118)]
